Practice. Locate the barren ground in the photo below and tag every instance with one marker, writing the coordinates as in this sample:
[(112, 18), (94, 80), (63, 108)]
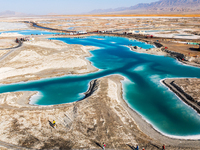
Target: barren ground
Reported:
[(7, 43), (191, 87), (45, 58), (188, 89)]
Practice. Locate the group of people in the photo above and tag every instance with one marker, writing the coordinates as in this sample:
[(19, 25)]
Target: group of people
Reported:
[(104, 145), (137, 147), (21, 40)]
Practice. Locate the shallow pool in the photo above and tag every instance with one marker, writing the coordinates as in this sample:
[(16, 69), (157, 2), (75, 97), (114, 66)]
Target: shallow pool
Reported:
[(30, 32)]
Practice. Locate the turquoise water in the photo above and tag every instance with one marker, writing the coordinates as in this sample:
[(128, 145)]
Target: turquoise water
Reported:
[(142, 88), (29, 32)]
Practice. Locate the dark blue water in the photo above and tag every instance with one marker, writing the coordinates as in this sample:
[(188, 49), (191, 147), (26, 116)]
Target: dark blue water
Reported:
[(142, 88), (29, 32)]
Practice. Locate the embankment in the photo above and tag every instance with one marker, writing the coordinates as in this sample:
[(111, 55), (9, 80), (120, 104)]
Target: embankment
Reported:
[(170, 83)]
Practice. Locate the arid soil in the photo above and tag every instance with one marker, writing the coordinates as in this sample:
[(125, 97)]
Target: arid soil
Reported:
[(188, 89), (7, 43), (191, 87), (7, 25), (3, 52), (118, 24), (186, 49), (45, 58), (191, 53), (185, 53)]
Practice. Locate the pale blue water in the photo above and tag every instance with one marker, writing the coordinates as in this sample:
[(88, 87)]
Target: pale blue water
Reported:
[(71, 28), (183, 35), (45, 22), (155, 31), (29, 32), (142, 89)]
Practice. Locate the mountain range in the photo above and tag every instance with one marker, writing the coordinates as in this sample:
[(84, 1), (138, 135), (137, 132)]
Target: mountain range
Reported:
[(12, 14), (158, 6)]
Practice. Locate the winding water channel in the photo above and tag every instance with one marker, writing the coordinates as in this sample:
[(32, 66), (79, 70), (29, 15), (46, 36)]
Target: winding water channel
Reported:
[(142, 88)]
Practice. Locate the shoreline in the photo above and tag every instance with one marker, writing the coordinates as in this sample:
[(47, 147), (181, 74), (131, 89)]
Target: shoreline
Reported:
[(145, 127), (140, 122), (131, 48), (143, 124), (176, 55), (37, 74), (148, 129), (129, 109), (187, 99)]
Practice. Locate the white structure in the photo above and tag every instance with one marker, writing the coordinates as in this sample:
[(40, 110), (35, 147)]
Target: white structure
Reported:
[(81, 32)]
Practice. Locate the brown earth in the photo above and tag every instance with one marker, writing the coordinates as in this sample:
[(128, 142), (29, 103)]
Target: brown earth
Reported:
[(191, 87), (186, 49), (135, 15), (191, 53), (188, 89)]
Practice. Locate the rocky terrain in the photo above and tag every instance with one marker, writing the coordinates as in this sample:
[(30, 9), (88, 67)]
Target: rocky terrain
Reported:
[(191, 87), (187, 89)]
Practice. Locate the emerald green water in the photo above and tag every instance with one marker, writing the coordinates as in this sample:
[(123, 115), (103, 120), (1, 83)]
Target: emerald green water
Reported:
[(142, 88)]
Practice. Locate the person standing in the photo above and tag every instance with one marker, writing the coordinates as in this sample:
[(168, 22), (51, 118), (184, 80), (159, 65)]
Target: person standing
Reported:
[(104, 145), (137, 147), (54, 123), (163, 147)]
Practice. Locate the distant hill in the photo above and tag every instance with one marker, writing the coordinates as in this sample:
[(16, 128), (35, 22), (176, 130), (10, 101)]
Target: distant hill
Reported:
[(52, 14), (11, 14), (162, 5)]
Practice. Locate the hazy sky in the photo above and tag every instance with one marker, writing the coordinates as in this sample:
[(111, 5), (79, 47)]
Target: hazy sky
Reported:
[(64, 6)]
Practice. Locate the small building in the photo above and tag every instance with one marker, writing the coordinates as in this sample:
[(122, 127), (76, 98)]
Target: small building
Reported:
[(81, 32)]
